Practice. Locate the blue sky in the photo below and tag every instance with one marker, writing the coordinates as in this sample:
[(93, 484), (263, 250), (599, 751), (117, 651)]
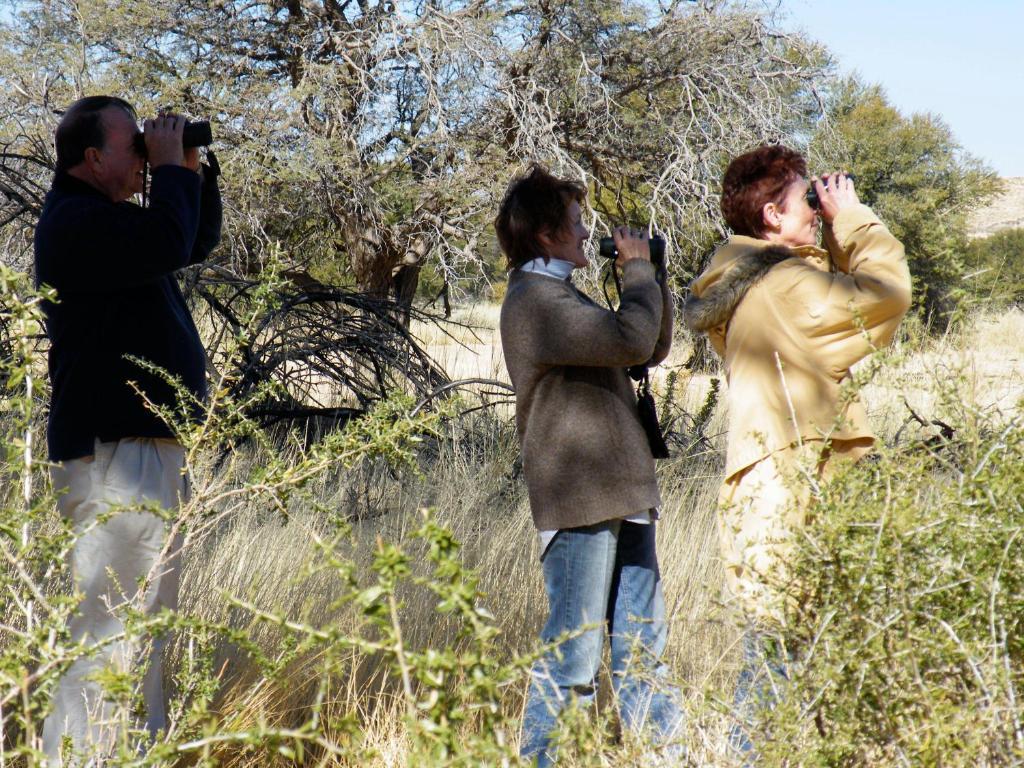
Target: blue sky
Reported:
[(960, 59)]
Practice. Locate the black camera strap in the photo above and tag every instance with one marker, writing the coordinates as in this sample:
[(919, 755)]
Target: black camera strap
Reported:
[(212, 169), (647, 411), (645, 406)]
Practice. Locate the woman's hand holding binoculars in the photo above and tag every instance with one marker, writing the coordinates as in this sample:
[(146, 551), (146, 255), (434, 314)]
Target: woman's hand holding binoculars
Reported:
[(835, 192), (631, 244), (608, 247)]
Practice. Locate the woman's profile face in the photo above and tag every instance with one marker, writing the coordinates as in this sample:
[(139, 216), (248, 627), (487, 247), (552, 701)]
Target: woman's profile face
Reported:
[(794, 223), (567, 243)]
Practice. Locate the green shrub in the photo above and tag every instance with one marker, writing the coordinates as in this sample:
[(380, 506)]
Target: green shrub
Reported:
[(908, 635), (995, 266), (450, 698)]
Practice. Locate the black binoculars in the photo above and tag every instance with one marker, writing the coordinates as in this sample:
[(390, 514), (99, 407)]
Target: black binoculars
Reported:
[(196, 134), (812, 193), (606, 247)]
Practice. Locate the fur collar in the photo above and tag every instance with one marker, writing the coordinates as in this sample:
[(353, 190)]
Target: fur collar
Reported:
[(716, 305)]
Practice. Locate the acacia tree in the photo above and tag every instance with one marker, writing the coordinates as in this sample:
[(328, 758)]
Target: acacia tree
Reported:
[(367, 137), (649, 107), (336, 119), (362, 141)]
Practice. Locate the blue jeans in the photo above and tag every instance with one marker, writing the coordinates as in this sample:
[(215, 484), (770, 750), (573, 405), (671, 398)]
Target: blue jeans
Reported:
[(598, 574), (760, 686)]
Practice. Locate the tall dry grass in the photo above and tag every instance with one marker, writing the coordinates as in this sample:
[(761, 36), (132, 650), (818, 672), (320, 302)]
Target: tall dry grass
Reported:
[(470, 478)]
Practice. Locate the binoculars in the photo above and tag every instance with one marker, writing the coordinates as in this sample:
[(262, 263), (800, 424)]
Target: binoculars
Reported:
[(812, 193), (196, 134), (606, 247)]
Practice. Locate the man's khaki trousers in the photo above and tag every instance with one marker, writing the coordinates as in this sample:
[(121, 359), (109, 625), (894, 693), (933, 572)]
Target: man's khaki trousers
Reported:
[(109, 562)]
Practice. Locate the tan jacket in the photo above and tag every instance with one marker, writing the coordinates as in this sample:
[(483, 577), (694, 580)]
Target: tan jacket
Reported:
[(789, 323), (585, 454)]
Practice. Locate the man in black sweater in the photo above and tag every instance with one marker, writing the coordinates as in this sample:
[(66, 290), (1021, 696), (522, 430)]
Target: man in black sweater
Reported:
[(113, 266)]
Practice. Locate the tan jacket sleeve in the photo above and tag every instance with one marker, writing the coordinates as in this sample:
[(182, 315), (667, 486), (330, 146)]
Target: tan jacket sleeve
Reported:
[(576, 332), (848, 313)]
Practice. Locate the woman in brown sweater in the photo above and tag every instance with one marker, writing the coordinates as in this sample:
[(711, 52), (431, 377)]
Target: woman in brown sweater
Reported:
[(588, 466)]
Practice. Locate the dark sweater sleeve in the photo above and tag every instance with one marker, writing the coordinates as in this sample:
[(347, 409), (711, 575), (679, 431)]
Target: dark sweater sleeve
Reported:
[(120, 245), (569, 331), (211, 214), (664, 343)]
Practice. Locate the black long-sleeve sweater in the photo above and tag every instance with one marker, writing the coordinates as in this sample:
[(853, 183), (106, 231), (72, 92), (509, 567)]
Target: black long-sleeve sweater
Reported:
[(112, 265)]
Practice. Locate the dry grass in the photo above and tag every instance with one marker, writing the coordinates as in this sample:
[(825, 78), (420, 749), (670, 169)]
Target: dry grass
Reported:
[(469, 480), (984, 358)]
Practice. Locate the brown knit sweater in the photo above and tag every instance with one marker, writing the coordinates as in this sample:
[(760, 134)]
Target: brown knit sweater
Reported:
[(585, 455)]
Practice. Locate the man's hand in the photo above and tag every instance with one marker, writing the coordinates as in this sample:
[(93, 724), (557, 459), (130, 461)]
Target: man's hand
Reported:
[(163, 141), (631, 244), (836, 193)]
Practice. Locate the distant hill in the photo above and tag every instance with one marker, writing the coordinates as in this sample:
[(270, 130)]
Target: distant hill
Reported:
[(1005, 212)]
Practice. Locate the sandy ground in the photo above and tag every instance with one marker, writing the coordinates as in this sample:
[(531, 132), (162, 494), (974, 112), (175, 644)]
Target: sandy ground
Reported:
[(1005, 212)]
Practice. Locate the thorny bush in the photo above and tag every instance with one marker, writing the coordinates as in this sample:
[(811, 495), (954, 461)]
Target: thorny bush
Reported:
[(907, 630), (451, 697)]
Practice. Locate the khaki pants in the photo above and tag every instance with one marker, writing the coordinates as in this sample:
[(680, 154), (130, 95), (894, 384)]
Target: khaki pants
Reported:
[(759, 510), (109, 560)]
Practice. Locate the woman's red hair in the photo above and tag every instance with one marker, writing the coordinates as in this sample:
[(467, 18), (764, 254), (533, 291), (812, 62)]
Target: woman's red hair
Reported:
[(755, 179)]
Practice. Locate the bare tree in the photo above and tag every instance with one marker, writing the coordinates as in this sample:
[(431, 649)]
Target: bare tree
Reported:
[(371, 137), (650, 114), (369, 140)]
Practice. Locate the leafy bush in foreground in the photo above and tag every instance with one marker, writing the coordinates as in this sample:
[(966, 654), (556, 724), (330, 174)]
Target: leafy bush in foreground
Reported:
[(908, 638), (450, 697)]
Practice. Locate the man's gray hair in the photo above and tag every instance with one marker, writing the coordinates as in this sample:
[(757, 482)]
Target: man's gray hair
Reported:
[(82, 127)]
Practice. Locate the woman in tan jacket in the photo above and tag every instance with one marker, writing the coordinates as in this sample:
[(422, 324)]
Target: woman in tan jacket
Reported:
[(789, 319)]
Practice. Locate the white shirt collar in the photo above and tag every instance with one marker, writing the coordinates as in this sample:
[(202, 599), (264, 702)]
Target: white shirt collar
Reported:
[(556, 268)]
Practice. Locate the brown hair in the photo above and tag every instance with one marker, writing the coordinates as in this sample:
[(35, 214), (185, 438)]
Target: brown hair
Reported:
[(535, 202), (755, 179), (82, 127)]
